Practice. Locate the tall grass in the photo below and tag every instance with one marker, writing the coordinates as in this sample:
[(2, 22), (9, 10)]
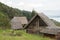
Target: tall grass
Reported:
[(24, 36)]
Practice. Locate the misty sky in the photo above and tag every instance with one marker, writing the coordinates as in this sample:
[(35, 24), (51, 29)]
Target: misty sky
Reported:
[(51, 8)]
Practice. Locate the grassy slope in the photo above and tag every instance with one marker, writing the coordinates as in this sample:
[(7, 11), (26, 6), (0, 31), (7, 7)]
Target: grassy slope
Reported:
[(24, 36), (4, 20)]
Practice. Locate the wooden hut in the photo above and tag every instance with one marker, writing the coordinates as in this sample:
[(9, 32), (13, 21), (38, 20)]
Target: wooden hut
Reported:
[(18, 22), (39, 24)]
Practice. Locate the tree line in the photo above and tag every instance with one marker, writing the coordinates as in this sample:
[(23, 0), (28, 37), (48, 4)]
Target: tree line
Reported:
[(7, 13)]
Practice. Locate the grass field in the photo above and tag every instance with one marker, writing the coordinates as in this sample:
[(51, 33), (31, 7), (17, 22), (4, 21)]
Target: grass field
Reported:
[(5, 35)]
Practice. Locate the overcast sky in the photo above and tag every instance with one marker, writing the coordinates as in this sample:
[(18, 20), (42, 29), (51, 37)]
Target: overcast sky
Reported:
[(51, 8)]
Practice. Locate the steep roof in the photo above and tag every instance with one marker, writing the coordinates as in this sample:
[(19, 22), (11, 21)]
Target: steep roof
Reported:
[(22, 20), (44, 18)]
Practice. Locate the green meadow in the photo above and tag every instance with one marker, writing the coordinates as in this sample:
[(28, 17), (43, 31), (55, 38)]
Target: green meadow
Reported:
[(19, 35)]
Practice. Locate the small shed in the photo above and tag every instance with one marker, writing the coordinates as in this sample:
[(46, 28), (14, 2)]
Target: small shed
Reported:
[(40, 23), (18, 22)]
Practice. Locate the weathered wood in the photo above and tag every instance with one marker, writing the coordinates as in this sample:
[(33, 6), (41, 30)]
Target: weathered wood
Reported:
[(58, 36), (36, 25), (41, 23)]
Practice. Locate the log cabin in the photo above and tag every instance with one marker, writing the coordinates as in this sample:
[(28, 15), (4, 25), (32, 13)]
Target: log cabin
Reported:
[(18, 22), (40, 23)]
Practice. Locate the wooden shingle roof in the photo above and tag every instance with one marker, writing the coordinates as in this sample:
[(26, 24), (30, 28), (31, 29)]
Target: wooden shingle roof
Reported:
[(22, 20), (52, 30), (18, 22), (44, 18)]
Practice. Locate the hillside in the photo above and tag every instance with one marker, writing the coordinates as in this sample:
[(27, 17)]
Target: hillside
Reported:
[(11, 12), (6, 35), (56, 22), (7, 13)]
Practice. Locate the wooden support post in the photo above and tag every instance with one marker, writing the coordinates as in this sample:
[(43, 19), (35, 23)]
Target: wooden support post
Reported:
[(38, 24)]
